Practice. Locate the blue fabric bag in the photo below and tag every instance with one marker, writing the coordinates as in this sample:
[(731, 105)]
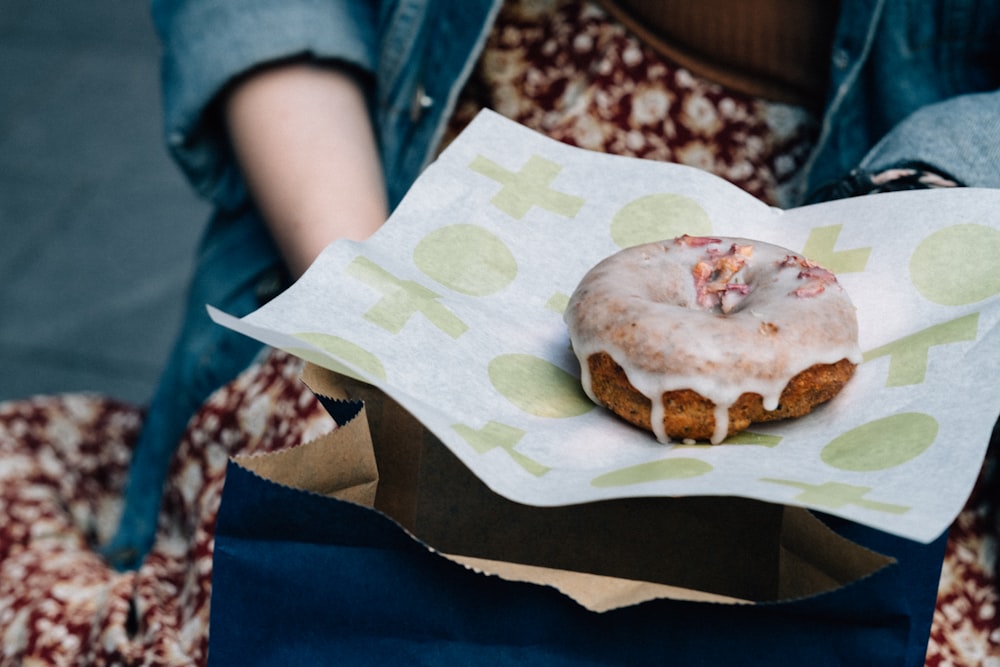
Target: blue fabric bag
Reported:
[(444, 572)]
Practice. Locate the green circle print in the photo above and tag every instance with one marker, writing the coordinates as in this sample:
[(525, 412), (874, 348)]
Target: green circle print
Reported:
[(957, 265), (883, 443), (342, 349), (658, 217), (538, 387), (654, 471), (466, 258)]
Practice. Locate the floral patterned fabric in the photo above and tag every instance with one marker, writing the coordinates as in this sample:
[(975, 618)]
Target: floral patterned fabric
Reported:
[(63, 462), (560, 67)]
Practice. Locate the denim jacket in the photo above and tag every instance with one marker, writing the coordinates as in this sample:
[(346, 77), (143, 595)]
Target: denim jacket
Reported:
[(909, 80), (912, 81)]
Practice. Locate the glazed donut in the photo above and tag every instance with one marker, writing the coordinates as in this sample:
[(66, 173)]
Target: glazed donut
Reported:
[(695, 338)]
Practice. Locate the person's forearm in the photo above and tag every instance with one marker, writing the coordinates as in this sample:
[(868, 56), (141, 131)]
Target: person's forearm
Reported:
[(303, 138)]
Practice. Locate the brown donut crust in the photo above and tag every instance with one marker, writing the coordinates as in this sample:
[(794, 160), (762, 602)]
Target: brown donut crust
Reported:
[(690, 416)]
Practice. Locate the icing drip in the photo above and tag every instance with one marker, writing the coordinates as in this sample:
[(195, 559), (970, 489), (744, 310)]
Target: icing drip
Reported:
[(719, 316)]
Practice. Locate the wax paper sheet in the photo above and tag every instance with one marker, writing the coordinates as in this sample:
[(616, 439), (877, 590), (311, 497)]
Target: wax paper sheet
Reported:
[(454, 309)]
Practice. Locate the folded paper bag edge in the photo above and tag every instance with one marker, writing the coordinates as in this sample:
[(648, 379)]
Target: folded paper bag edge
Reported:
[(598, 593), (815, 558), (340, 464)]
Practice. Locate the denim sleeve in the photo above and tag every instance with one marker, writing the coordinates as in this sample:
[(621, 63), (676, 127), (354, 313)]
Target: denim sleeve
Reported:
[(207, 43), (959, 137)]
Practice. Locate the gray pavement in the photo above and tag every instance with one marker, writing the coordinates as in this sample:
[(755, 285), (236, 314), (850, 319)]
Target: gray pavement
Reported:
[(97, 227)]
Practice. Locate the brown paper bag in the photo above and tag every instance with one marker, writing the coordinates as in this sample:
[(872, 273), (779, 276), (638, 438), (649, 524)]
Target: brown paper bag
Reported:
[(604, 555)]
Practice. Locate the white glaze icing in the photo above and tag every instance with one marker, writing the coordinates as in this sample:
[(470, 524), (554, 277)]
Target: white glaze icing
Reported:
[(720, 316)]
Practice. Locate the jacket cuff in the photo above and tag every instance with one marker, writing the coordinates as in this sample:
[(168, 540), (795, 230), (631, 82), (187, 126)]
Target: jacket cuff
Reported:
[(910, 175), (958, 138), (209, 43)]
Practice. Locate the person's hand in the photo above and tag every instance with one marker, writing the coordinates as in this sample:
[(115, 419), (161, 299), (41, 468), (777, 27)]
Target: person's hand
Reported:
[(303, 137)]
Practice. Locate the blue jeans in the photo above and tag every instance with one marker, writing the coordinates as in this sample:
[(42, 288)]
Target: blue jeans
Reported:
[(237, 269)]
